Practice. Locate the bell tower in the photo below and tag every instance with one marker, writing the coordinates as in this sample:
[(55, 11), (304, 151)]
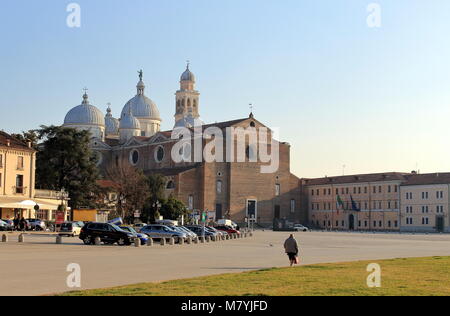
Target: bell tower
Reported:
[(187, 99)]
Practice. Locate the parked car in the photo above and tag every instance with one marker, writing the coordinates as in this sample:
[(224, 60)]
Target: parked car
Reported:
[(215, 231), (201, 230), (108, 233), (9, 224), (143, 237), (3, 226), (157, 231), (189, 232), (37, 224), (300, 228), (139, 226), (228, 229), (70, 229)]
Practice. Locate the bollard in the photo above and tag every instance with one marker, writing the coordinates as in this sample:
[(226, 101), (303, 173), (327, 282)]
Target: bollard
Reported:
[(213, 238), (202, 239), (163, 241), (4, 238), (181, 241), (189, 240), (227, 237), (245, 235), (208, 238), (58, 240), (150, 242), (97, 241), (251, 234), (223, 237), (21, 238), (137, 242), (195, 240), (172, 241)]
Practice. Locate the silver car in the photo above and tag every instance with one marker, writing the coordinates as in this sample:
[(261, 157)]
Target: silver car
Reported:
[(162, 231)]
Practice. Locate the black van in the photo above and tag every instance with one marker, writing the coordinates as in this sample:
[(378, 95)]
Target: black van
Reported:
[(109, 234)]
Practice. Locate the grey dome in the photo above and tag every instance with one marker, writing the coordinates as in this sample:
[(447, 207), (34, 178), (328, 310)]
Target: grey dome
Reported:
[(111, 123), (85, 114), (128, 121), (187, 75), (142, 106)]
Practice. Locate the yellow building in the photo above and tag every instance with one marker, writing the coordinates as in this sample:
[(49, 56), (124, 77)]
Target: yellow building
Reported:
[(18, 196), (355, 202)]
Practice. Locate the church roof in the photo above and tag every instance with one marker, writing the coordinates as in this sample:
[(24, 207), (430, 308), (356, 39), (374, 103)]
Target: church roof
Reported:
[(85, 114), (13, 142)]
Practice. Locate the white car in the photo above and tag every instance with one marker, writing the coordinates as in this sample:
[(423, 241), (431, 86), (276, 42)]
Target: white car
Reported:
[(300, 228), (70, 229)]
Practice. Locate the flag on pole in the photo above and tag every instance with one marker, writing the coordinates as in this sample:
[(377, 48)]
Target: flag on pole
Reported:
[(339, 204), (354, 205)]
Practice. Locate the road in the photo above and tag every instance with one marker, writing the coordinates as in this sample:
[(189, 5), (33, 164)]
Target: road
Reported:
[(38, 266)]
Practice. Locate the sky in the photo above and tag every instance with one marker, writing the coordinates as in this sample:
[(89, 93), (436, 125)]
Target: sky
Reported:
[(341, 92)]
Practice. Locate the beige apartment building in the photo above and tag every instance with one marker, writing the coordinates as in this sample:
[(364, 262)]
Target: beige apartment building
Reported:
[(18, 196), (425, 203), (354, 202)]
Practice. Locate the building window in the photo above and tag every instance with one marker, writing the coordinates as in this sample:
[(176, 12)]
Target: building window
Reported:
[(19, 184), (134, 157), (20, 163), (292, 206), (389, 189), (219, 186), (312, 192), (191, 202), (1, 161), (277, 190), (159, 154)]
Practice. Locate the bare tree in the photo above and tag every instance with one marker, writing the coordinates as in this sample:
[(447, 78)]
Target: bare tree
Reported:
[(131, 188)]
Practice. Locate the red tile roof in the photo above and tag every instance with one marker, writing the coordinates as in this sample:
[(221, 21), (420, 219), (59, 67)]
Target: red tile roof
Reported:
[(14, 142)]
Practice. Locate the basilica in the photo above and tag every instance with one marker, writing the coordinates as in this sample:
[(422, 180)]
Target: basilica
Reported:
[(233, 190)]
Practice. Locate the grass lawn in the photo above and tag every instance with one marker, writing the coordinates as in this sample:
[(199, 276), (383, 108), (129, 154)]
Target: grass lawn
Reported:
[(417, 276)]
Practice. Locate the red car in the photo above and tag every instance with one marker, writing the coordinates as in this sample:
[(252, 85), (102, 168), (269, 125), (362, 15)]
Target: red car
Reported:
[(228, 229)]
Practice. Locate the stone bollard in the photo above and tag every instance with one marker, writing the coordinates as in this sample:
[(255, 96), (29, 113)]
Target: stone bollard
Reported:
[(251, 234), (4, 238), (150, 242), (21, 238), (208, 238), (227, 237), (163, 241), (172, 241), (245, 235), (97, 241), (58, 240), (181, 241), (195, 240), (202, 239), (137, 242), (189, 240), (223, 237), (213, 238)]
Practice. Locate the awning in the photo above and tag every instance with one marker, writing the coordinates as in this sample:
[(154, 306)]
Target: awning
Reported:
[(17, 202)]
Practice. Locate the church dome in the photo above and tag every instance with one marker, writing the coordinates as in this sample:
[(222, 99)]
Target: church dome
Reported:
[(142, 106), (111, 123), (187, 75), (85, 114), (128, 121)]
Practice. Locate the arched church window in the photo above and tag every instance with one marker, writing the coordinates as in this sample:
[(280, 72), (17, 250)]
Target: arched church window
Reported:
[(159, 154), (189, 103), (134, 157), (219, 186)]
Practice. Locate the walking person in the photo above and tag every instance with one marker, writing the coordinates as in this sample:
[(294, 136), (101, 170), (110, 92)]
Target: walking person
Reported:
[(23, 224), (291, 248), (16, 223)]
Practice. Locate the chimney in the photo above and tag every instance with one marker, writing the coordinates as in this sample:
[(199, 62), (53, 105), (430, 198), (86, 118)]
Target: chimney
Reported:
[(8, 142), (29, 144)]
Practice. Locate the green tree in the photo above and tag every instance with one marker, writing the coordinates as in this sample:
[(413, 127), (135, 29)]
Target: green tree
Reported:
[(156, 186), (173, 209), (65, 160), (30, 136)]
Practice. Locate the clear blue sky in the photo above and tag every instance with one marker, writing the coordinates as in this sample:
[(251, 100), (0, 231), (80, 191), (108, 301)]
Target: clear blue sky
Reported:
[(342, 93)]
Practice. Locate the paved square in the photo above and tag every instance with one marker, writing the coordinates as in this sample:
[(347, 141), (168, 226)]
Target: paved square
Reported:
[(39, 265)]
